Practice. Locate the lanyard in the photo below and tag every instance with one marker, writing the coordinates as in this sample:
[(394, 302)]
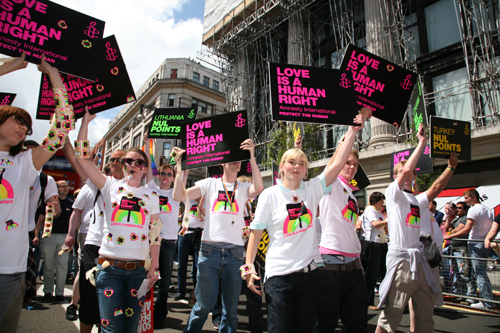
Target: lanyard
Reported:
[(230, 199)]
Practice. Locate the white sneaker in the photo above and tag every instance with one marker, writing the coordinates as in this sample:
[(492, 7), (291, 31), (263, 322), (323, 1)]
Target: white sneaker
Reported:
[(480, 306)]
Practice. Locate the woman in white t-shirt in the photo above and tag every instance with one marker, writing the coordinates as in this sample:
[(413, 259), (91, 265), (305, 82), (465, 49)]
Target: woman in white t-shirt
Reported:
[(287, 210), (18, 171), (131, 236)]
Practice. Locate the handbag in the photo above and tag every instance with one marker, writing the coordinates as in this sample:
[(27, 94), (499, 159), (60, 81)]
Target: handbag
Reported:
[(431, 250)]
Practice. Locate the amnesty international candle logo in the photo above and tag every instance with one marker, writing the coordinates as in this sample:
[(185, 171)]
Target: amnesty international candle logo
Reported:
[(7, 98), (448, 135), (311, 94), (167, 122)]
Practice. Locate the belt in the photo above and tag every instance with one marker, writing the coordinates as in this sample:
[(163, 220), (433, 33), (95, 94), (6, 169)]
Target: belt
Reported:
[(128, 265), (193, 229), (309, 268), (356, 264)]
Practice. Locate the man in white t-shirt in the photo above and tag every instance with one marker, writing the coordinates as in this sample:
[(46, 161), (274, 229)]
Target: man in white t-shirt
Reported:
[(221, 252), (479, 220), (408, 273)]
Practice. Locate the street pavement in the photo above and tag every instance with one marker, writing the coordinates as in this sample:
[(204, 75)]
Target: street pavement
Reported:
[(49, 316)]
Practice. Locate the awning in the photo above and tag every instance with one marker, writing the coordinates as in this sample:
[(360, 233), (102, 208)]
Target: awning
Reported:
[(490, 194)]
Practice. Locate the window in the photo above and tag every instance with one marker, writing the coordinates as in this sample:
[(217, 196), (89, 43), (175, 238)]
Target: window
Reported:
[(196, 77), (411, 34), (206, 81), (173, 73), (166, 150), (137, 141), (171, 99), (202, 107), (125, 146), (215, 85), (451, 102), (441, 32)]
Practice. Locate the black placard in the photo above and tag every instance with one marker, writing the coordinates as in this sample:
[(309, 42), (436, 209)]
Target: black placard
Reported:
[(70, 40), (215, 140), (167, 122), (360, 180), (312, 95), (448, 135), (380, 85), (7, 98), (113, 87), (418, 106), (424, 164)]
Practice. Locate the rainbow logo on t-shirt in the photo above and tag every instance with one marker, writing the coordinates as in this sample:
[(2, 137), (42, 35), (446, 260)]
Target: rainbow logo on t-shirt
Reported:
[(299, 219), (165, 207), (350, 212), (122, 215), (194, 211), (222, 204), (413, 218), (6, 190)]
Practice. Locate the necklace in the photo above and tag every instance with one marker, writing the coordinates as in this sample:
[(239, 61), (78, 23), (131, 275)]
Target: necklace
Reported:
[(230, 200)]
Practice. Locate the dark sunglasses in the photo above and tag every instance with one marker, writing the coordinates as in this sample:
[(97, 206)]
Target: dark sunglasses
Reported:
[(21, 121), (137, 163), (115, 159), (460, 207), (166, 174)]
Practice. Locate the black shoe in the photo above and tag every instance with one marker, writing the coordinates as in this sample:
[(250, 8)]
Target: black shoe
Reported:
[(71, 313), (159, 324), (47, 296), (60, 298), (178, 297)]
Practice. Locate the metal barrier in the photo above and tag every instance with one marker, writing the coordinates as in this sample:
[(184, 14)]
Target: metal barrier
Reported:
[(466, 279)]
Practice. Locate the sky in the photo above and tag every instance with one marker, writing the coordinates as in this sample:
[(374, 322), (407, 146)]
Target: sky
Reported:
[(147, 32)]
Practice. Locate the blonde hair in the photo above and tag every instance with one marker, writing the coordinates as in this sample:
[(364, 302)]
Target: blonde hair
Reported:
[(291, 153), (399, 166), (245, 179)]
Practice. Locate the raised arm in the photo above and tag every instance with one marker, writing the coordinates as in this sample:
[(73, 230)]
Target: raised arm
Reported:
[(69, 152), (258, 185), (96, 176), (179, 182), (410, 165), (14, 65), (62, 121), (440, 183)]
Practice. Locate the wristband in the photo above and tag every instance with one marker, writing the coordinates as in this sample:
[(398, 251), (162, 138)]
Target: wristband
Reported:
[(452, 170), (157, 271), (49, 218), (60, 97), (82, 149), (247, 269)]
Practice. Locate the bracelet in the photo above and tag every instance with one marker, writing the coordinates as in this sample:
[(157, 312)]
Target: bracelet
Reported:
[(247, 269), (82, 149), (452, 170)]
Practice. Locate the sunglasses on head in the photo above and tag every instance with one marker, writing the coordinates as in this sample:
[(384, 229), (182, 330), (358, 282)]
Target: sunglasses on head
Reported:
[(115, 159), (21, 121), (166, 174), (138, 162)]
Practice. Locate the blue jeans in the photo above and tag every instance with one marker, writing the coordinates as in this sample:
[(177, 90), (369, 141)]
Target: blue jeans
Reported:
[(186, 246), (120, 311), (291, 302), (342, 293), (460, 269), (217, 265), (477, 250), (376, 267), (167, 251)]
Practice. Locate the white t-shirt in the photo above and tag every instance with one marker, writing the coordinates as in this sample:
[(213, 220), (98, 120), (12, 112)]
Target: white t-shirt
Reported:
[(194, 218), (403, 215), (338, 214), (426, 218), (35, 189), (483, 218), (17, 175), (372, 234), (128, 219), (223, 223), (289, 217), (95, 232), (169, 211), (85, 203)]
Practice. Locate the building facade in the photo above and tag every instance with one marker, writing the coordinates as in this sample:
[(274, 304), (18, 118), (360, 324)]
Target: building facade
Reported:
[(452, 44), (178, 82)]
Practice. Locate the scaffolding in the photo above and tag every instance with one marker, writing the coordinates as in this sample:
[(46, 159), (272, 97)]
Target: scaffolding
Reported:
[(261, 31)]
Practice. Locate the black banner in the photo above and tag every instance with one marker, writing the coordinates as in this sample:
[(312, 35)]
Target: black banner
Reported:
[(312, 95), (418, 106), (449, 135), (167, 122), (360, 180), (7, 98), (70, 40), (215, 140), (380, 85), (113, 87), (424, 164)]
